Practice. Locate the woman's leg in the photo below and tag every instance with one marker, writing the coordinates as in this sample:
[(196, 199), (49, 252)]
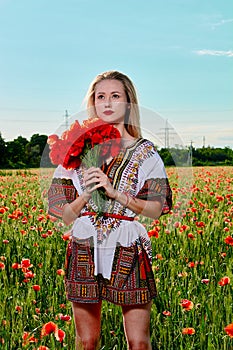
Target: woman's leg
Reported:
[(87, 318), (137, 326)]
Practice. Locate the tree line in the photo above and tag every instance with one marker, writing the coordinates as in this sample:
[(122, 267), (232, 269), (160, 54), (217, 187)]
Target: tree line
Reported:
[(21, 153)]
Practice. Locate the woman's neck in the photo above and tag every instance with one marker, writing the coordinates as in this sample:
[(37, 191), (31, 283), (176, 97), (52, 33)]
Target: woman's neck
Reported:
[(124, 133)]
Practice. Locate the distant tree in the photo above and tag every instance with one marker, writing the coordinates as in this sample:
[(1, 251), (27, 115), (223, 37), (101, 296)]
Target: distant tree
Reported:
[(36, 149), (40, 140), (2, 152), (213, 156), (166, 156), (15, 153), (21, 153)]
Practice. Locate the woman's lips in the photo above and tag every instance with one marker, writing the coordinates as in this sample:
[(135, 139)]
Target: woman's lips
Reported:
[(108, 112)]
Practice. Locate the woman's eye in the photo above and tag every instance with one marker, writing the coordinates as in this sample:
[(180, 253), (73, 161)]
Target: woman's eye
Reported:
[(116, 96), (100, 97)]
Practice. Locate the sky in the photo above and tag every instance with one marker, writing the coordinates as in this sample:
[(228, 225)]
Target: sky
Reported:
[(178, 53)]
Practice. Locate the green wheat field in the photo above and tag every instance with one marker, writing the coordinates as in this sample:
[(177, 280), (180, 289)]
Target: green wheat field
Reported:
[(192, 264)]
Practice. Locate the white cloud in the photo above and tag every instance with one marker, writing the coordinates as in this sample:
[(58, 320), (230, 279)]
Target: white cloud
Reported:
[(215, 21), (221, 22), (205, 52)]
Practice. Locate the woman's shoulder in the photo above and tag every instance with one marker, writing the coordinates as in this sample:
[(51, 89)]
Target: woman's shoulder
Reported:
[(147, 144), (145, 151)]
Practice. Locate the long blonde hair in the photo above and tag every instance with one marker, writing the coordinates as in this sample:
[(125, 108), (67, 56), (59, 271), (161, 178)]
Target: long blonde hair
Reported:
[(132, 117)]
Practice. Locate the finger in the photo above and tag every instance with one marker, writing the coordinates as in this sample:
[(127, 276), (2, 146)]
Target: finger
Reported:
[(90, 189), (91, 182), (93, 171), (91, 175)]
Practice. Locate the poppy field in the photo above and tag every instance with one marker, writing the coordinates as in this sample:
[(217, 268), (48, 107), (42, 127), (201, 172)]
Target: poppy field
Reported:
[(192, 263)]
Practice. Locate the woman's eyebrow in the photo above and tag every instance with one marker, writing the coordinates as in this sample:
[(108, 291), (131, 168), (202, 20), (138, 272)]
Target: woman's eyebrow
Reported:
[(113, 92)]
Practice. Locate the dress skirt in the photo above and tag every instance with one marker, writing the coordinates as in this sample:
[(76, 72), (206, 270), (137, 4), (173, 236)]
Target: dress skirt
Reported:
[(132, 279)]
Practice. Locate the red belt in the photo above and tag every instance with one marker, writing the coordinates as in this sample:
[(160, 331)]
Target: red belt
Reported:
[(109, 215)]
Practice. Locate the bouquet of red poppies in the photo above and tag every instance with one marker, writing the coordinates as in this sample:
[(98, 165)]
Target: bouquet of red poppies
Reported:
[(90, 143), (71, 149)]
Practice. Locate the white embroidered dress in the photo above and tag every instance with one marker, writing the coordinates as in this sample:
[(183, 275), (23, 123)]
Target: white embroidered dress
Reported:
[(136, 168)]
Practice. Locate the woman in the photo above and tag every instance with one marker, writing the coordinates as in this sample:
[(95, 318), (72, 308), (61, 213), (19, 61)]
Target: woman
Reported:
[(109, 256)]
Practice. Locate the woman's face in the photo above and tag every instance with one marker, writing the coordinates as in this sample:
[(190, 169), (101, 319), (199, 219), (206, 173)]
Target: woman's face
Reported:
[(110, 101)]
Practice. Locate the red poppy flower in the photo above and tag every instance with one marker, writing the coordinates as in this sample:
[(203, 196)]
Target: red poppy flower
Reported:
[(24, 220), (219, 198), (36, 287), (60, 335), (26, 263), (40, 218), (154, 232), (186, 304), (29, 274), (65, 317), (2, 265), (229, 330), (60, 272), (189, 331), (52, 139), (48, 328), (191, 236), (200, 224), (156, 222), (224, 281), (16, 266), (18, 308), (229, 240), (28, 338), (205, 281), (66, 236), (166, 313), (177, 224), (159, 256), (191, 264)]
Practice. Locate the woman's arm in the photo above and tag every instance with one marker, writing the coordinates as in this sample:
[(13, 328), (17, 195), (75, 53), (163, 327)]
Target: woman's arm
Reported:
[(95, 178), (150, 209), (72, 210)]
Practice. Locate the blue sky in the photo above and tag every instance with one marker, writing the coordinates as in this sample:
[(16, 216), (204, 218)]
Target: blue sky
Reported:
[(179, 54)]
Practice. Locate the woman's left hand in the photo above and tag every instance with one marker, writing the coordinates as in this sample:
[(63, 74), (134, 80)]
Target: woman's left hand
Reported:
[(95, 178)]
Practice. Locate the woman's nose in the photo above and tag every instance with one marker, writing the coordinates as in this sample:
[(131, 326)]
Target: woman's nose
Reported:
[(108, 102)]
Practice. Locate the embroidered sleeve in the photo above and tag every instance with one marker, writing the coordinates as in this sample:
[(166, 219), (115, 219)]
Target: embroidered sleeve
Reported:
[(154, 184), (61, 191), (157, 189)]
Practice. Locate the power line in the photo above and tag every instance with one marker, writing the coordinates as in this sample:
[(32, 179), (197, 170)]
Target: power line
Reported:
[(167, 134), (66, 119), (203, 141)]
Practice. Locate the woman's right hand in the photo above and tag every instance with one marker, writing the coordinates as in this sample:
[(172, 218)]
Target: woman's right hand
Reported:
[(95, 178)]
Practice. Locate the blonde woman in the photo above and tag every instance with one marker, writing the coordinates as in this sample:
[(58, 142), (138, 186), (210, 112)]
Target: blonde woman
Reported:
[(117, 266)]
